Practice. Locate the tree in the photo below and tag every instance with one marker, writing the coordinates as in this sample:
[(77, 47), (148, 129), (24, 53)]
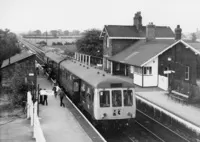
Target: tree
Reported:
[(66, 32), (75, 32), (194, 37), (18, 86), (8, 46), (90, 43), (54, 33), (38, 33)]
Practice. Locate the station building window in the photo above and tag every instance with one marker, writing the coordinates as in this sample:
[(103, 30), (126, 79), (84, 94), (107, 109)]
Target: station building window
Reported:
[(147, 71), (187, 73), (104, 98)]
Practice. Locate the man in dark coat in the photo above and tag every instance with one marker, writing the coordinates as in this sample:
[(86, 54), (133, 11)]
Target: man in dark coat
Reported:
[(62, 94)]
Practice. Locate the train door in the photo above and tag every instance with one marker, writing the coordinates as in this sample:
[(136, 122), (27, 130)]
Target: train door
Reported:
[(89, 99), (76, 90)]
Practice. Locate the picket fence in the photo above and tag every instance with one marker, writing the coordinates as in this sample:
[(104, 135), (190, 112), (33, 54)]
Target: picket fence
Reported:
[(35, 123)]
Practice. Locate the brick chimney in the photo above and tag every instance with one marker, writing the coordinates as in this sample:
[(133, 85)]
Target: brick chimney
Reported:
[(138, 20), (150, 31), (178, 32)]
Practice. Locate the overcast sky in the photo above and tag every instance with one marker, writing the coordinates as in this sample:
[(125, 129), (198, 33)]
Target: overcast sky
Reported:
[(25, 15)]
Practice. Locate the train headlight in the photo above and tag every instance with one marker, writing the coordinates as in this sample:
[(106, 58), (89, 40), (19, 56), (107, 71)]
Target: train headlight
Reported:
[(129, 114), (104, 115)]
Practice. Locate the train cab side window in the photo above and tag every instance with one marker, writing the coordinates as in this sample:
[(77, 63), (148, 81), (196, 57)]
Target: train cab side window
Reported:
[(116, 98), (128, 98), (104, 98)]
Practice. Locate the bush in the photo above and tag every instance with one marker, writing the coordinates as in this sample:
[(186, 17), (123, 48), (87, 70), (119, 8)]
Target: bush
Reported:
[(59, 43)]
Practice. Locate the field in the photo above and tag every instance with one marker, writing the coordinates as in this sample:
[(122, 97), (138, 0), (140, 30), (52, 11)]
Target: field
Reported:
[(50, 41)]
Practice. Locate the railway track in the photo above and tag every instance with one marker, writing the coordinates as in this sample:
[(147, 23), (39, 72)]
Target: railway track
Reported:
[(143, 129), (39, 53)]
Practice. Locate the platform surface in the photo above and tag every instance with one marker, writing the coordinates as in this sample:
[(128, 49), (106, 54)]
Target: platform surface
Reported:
[(159, 98), (62, 124), (16, 130)]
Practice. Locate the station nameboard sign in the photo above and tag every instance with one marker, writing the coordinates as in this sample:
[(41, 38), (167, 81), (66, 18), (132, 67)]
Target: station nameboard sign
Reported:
[(169, 71)]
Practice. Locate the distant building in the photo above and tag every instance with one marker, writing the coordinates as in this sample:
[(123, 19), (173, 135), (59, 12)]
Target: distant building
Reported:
[(26, 62)]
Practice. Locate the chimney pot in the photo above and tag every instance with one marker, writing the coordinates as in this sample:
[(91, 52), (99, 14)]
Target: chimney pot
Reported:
[(178, 32), (150, 31), (138, 20)]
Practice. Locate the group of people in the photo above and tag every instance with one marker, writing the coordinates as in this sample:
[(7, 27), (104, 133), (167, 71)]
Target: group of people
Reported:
[(57, 91), (43, 98)]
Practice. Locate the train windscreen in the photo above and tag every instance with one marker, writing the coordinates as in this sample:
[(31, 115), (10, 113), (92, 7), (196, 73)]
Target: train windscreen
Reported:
[(128, 98), (104, 99), (116, 98)]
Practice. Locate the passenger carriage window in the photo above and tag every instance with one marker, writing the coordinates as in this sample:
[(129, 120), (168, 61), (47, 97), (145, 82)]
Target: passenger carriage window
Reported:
[(83, 89), (128, 98), (116, 98), (104, 98), (76, 86)]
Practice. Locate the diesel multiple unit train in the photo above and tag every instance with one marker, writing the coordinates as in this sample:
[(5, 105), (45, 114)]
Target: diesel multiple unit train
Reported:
[(107, 99)]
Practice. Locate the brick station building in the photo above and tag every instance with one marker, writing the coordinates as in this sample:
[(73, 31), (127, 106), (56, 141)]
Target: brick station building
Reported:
[(25, 63), (153, 56)]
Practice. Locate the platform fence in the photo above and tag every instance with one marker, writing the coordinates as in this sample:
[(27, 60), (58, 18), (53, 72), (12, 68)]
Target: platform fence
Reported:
[(35, 123)]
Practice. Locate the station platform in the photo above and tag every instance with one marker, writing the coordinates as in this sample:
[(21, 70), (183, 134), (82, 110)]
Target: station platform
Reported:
[(157, 98), (64, 123)]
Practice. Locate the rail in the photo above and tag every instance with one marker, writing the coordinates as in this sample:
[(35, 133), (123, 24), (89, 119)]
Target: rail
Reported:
[(32, 114)]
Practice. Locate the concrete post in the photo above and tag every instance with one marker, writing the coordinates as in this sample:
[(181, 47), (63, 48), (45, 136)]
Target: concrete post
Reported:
[(111, 68), (83, 58), (86, 61), (89, 61), (75, 55)]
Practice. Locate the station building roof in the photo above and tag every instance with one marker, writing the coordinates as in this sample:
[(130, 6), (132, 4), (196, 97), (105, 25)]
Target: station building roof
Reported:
[(16, 58), (139, 53), (92, 76), (131, 31)]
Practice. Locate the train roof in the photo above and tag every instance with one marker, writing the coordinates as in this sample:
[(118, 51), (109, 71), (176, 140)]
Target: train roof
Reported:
[(95, 77), (55, 57)]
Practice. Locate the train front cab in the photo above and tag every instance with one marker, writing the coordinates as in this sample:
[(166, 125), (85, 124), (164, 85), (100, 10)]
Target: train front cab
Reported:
[(115, 104)]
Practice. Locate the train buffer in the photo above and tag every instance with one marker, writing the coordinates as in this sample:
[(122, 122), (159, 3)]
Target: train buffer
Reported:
[(61, 124)]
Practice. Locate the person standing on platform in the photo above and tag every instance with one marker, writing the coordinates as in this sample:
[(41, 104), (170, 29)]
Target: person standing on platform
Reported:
[(45, 99), (62, 94)]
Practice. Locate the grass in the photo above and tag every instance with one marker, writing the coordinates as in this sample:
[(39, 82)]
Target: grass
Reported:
[(6, 108)]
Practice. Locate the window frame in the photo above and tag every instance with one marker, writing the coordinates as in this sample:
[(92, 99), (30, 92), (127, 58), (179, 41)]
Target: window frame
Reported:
[(146, 71), (187, 73), (109, 101), (121, 97), (127, 105)]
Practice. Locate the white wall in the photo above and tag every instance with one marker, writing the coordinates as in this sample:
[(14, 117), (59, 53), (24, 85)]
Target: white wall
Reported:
[(137, 79), (151, 80), (163, 82)]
